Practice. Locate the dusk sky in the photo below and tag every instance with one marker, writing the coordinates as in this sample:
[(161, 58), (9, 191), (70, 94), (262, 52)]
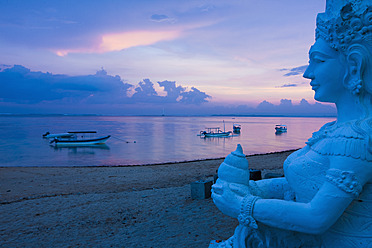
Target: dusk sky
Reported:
[(128, 54)]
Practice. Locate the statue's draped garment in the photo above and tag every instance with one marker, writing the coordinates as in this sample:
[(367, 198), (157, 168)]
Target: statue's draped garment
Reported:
[(305, 171)]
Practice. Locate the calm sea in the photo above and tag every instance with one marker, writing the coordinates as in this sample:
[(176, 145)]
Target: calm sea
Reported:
[(144, 140)]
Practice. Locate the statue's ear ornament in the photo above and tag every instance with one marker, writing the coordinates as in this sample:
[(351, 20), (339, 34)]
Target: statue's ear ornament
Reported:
[(346, 28), (355, 86)]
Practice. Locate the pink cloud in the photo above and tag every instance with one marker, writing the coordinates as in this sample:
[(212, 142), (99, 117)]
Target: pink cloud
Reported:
[(124, 40), (119, 41)]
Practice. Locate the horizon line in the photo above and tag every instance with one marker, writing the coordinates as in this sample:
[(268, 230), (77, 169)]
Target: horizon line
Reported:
[(170, 115)]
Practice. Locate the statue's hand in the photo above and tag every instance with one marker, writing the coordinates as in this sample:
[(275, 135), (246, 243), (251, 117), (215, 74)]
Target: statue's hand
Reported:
[(228, 197)]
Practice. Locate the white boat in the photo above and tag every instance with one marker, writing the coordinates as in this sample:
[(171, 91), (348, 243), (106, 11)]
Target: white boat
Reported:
[(280, 128), (57, 135), (237, 128), (80, 138), (79, 142), (214, 132)]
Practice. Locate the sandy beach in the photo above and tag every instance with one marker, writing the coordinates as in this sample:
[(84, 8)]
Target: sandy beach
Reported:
[(120, 206)]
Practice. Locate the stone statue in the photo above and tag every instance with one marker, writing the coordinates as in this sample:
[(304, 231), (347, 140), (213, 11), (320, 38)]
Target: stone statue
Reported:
[(325, 198)]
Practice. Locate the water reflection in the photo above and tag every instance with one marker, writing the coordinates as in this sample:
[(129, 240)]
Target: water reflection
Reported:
[(216, 138), (158, 139), (280, 133), (87, 149)]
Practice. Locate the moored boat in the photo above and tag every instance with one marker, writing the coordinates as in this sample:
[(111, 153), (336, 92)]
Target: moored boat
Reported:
[(79, 142), (280, 128), (237, 128), (79, 138), (214, 132)]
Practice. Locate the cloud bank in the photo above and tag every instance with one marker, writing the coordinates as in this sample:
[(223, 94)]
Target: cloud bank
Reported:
[(23, 91), (286, 107), (19, 85)]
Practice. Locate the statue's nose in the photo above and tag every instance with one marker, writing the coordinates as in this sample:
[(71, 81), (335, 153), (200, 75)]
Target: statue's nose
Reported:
[(308, 74)]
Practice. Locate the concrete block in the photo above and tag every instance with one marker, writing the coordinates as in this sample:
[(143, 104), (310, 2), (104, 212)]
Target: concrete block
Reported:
[(254, 175), (215, 177), (201, 189)]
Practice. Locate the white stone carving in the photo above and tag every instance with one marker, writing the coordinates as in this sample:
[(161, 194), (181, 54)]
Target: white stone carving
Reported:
[(325, 199)]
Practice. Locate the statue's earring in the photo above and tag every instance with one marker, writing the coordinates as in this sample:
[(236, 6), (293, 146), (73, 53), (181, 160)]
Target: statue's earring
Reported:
[(355, 82), (355, 86)]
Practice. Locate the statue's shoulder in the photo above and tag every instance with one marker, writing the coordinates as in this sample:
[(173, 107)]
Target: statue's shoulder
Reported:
[(320, 134), (351, 139)]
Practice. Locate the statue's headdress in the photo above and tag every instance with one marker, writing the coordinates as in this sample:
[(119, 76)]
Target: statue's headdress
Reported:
[(345, 22)]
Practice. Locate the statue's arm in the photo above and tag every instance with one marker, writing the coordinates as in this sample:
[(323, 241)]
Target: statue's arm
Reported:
[(324, 209), (275, 188)]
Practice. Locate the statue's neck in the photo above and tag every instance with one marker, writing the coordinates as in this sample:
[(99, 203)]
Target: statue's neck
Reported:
[(349, 108)]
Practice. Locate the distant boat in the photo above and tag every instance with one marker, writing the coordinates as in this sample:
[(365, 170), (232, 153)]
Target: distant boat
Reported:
[(237, 128), (214, 132), (79, 138), (280, 128)]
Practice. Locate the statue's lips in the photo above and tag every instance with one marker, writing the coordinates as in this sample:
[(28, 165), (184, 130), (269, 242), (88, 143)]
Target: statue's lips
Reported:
[(314, 86)]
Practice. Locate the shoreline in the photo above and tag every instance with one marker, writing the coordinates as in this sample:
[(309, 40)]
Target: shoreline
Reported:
[(139, 165), (118, 206)]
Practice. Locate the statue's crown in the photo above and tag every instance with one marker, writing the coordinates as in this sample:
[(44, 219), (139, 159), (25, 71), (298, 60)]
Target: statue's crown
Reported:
[(344, 22), (334, 7)]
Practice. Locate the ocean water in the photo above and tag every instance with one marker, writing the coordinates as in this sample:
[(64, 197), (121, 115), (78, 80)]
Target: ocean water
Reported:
[(145, 140)]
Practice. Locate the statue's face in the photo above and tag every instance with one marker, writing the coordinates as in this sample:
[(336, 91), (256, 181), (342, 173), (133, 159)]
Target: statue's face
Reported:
[(326, 70)]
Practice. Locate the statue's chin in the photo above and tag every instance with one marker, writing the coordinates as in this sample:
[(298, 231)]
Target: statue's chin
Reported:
[(321, 98)]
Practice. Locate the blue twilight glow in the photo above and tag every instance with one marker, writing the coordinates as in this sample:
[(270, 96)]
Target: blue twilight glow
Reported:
[(214, 53)]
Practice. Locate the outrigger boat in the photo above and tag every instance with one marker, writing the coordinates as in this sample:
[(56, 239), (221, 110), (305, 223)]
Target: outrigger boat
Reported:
[(214, 132), (79, 139), (280, 128)]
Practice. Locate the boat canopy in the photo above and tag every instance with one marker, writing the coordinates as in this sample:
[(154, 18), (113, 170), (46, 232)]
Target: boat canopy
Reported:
[(82, 132)]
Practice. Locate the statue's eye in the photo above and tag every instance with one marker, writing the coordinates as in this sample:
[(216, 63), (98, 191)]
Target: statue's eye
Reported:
[(318, 59)]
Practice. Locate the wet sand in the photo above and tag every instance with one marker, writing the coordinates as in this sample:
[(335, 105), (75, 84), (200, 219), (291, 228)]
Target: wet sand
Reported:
[(117, 206)]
